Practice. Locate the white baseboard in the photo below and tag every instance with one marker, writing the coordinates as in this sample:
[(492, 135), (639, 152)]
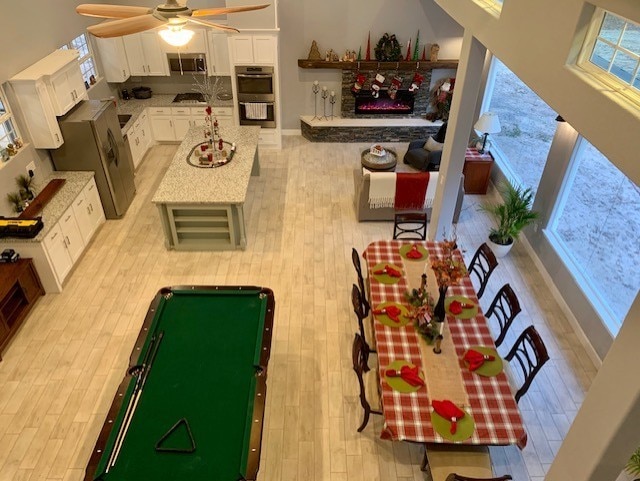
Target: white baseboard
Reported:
[(575, 325), (291, 132)]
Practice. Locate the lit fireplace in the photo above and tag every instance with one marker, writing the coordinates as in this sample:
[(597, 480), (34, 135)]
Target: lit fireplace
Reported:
[(367, 105)]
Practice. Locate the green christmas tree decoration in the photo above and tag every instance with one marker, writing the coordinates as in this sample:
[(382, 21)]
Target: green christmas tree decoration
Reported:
[(415, 47), (359, 53)]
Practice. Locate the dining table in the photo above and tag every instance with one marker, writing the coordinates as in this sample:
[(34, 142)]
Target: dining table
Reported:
[(489, 412)]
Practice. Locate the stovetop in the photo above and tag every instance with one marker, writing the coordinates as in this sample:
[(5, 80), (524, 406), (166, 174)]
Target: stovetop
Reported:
[(189, 98)]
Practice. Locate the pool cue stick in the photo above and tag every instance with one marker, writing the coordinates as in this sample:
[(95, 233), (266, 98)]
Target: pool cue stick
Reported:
[(133, 402)]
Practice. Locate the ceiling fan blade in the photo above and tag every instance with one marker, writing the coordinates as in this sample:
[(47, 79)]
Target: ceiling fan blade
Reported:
[(208, 12), (210, 24), (125, 26), (111, 11)]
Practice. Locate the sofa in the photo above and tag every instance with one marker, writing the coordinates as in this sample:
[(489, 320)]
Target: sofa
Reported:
[(425, 154), (366, 213)]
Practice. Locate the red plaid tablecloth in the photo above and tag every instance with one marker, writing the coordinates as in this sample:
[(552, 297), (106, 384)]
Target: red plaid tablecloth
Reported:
[(407, 416)]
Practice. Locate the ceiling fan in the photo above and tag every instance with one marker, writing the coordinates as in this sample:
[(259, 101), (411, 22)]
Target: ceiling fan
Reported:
[(130, 19)]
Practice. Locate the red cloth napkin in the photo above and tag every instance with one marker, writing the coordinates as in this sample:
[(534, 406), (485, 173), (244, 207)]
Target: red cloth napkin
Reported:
[(410, 190), (388, 270), (414, 253), (455, 307), (476, 359), (449, 411), (408, 374), (392, 311)]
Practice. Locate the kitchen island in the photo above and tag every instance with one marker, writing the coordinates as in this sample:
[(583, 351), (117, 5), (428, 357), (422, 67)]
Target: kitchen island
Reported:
[(203, 208)]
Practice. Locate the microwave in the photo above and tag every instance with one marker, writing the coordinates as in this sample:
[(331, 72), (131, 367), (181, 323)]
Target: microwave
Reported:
[(180, 63)]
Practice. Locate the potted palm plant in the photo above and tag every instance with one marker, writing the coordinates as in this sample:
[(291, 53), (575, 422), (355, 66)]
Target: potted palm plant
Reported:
[(633, 466), (511, 215)]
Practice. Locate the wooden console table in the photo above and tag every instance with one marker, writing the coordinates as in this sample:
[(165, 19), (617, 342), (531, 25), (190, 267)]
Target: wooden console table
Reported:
[(477, 171), (20, 288)]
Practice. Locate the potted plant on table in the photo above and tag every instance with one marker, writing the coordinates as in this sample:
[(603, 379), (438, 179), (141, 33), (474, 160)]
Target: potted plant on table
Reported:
[(512, 215), (633, 466)]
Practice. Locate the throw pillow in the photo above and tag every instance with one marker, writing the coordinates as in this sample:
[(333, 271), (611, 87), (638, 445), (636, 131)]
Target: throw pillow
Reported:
[(432, 145)]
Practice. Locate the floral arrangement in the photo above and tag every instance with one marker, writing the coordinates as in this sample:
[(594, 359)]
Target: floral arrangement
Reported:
[(440, 98), (448, 270), (422, 312)]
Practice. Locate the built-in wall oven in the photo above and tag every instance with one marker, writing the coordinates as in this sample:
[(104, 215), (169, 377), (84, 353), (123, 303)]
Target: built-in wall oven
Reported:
[(256, 96)]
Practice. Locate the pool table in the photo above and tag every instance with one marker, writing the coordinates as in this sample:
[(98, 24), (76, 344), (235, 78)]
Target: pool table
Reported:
[(191, 404)]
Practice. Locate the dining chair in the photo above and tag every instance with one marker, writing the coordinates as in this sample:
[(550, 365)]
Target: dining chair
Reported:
[(504, 308), (530, 353), (355, 258), (360, 366), (458, 477), (356, 301), (410, 225), (464, 460), (482, 265)]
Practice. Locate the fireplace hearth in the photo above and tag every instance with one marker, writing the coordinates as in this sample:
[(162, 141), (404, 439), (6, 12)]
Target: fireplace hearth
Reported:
[(366, 104)]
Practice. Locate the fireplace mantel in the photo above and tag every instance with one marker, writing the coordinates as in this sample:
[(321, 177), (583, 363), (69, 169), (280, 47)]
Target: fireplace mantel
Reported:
[(375, 65)]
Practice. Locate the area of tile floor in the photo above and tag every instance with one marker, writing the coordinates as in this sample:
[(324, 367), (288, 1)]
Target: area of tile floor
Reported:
[(60, 372)]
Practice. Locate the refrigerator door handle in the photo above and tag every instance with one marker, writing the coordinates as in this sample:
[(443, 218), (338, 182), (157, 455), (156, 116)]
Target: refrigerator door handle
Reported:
[(112, 148)]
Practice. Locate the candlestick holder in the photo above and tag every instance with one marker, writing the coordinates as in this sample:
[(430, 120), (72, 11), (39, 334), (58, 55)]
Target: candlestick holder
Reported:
[(315, 88), (332, 101), (324, 96)]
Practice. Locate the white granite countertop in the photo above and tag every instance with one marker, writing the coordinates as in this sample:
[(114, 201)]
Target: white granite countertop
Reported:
[(134, 107), (185, 184), (61, 201)]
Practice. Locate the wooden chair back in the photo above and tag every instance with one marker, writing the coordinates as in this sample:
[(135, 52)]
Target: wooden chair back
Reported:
[(504, 308), (410, 225), (360, 356), (355, 258), (482, 265), (530, 353)]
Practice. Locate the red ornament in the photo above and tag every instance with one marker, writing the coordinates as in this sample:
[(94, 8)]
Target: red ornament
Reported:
[(408, 56), (220, 144), (368, 54), (208, 110)]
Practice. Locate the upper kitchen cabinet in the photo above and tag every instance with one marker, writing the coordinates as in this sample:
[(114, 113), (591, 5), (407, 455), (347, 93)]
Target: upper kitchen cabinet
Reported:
[(197, 44), (218, 54), (49, 88), (253, 49), (145, 54), (114, 58)]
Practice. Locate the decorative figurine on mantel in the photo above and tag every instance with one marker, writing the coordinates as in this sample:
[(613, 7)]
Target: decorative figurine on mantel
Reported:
[(435, 48), (314, 53)]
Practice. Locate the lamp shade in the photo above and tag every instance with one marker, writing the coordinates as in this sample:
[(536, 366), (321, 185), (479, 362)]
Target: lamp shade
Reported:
[(488, 123), (176, 36)]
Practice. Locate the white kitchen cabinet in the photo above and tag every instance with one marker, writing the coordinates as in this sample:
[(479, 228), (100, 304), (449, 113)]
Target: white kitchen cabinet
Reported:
[(71, 233), (66, 88), (219, 63), (46, 89), (145, 54), (161, 124), (181, 126), (56, 251), (253, 49), (88, 211), (114, 59), (139, 138)]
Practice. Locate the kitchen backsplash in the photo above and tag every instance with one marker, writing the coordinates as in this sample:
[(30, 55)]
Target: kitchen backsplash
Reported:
[(168, 85)]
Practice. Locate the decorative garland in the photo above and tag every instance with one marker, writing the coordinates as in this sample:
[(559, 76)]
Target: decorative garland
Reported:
[(388, 49)]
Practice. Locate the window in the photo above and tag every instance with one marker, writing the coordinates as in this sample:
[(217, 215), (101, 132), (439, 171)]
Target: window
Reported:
[(596, 230), (8, 132), (87, 64), (492, 6), (528, 126)]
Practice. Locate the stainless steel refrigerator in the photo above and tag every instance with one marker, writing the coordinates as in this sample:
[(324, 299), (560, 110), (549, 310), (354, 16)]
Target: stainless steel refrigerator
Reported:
[(93, 142)]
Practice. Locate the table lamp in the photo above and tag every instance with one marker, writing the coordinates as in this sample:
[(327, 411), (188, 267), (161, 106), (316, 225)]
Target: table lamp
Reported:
[(488, 123)]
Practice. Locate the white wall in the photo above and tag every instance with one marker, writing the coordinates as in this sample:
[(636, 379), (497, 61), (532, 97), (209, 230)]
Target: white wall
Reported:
[(339, 25)]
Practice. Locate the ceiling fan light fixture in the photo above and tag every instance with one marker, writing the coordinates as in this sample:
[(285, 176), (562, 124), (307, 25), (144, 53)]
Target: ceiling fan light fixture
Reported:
[(176, 36)]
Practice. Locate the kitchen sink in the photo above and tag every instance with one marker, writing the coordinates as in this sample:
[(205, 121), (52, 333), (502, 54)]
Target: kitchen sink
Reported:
[(123, 119)]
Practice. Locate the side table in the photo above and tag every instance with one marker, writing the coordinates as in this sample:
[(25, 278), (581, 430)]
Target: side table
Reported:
[(477, 171), (20, 288)]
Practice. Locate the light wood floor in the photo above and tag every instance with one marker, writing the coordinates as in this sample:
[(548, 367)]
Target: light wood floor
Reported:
[(60, 373)]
